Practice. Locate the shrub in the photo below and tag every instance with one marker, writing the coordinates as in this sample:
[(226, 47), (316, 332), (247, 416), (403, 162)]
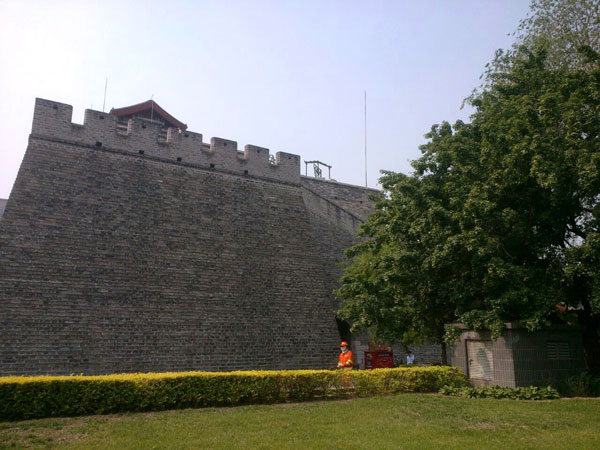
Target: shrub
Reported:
[(48, 396), (582, 385), (519, 393)]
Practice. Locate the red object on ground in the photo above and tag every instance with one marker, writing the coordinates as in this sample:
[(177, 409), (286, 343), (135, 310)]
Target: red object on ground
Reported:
[(379, 359)]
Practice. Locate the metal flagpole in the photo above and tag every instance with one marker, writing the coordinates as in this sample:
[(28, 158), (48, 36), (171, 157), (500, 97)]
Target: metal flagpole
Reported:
[(366, 184), (105, 86)]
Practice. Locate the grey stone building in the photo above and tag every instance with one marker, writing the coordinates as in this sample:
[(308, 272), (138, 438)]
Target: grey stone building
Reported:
[(129, 244), (2, 205), (518, 357)]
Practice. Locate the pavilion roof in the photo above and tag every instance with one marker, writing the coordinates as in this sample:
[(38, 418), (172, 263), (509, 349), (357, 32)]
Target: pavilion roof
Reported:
[(146, 107)]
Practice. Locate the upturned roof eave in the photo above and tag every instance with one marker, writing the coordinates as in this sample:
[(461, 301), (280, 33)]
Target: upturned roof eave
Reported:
[(147, 105)]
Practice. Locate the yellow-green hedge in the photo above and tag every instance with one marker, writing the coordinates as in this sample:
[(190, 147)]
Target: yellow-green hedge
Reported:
[(47, 396)]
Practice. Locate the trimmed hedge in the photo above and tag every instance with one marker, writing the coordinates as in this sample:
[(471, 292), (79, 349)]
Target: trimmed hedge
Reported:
[(50, 396), (519, 393)]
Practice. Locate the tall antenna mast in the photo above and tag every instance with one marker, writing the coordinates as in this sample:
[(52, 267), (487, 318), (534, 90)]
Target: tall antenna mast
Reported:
[(105, 86), (366, 185)]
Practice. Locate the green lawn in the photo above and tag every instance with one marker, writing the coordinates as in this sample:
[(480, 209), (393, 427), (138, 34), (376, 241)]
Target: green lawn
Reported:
[(404, 421)]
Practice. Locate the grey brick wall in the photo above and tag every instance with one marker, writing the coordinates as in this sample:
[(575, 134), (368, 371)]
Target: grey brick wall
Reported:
[(52, 120), (353, 199), (113, 261), (532, 360)]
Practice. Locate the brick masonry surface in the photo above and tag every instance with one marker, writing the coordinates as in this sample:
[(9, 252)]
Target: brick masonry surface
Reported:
[(128, 252), (353, 199)]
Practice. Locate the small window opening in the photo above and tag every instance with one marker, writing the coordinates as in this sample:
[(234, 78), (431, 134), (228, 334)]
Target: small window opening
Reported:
[(179, 158), (141, 152), (212, 166), (558, 350), (245, 172), (98, 144)]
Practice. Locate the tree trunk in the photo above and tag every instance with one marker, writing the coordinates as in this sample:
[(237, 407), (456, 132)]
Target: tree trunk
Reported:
[(444, 355), (590, 333)]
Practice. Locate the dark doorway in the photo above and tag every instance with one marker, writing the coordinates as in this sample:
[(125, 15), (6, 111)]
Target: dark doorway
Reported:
[(344, 330)]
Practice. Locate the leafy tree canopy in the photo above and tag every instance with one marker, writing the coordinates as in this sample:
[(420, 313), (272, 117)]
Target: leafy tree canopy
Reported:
[(561, 28), (500, 220)]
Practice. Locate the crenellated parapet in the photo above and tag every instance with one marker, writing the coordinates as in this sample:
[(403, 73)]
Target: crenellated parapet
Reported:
[(145, 138)]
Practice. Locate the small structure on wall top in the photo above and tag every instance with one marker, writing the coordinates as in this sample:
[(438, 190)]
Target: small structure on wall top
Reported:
[(317, 169), (148, 110)]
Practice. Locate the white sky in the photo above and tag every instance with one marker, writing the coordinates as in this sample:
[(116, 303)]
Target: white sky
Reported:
[(287, 75)]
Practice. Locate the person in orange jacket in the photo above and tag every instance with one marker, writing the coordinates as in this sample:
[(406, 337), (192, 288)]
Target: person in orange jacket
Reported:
[(346, 359)]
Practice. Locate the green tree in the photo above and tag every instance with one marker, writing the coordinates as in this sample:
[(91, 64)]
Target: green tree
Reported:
[(409, 276), (561, 28), (540, 131), (500, 220)]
